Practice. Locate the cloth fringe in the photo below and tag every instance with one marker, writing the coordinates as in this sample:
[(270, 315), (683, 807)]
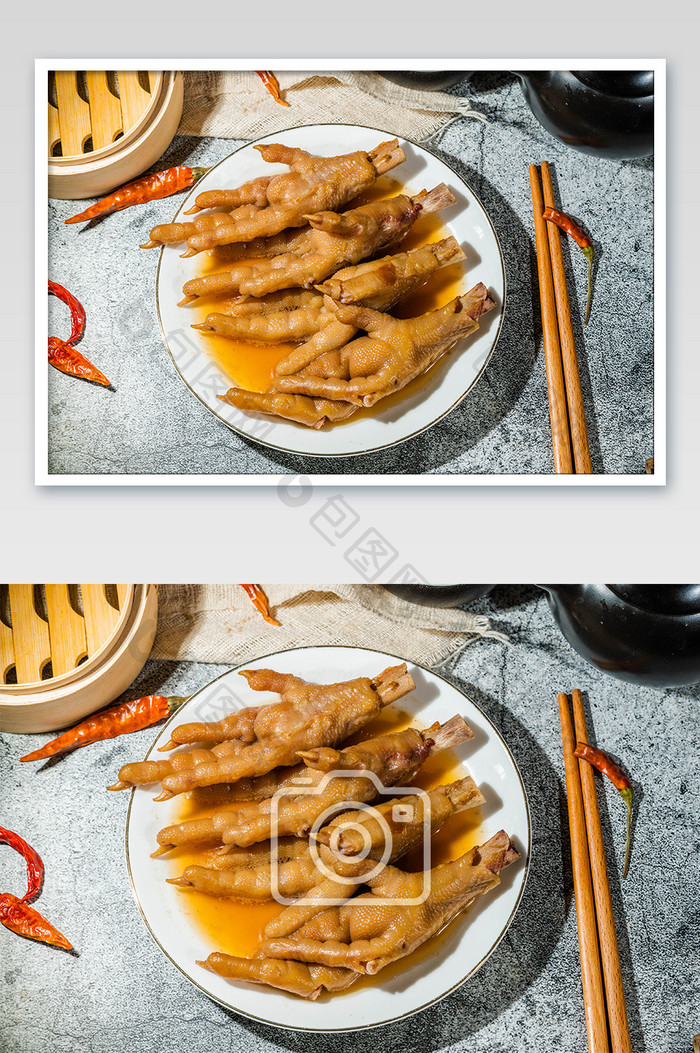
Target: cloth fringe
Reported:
[(234, 104), (218, 623)]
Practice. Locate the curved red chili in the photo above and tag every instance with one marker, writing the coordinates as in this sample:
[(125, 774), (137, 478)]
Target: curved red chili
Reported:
[(147, 188), (570, 226), (77, 312), (16, 914), (35, 867), (62, 355), (620, 781)]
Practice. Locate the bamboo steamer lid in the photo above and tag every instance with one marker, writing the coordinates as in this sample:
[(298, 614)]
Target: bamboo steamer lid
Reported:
[(95, 651), (107, 127)]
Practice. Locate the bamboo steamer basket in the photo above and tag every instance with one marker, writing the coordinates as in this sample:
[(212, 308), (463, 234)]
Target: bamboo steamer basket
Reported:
[(144, 121), (119, 653)]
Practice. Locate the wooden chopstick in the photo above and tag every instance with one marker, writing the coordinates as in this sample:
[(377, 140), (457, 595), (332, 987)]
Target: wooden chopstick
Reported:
[(614, 993), (592, 981), (572, 379), (556, 390)]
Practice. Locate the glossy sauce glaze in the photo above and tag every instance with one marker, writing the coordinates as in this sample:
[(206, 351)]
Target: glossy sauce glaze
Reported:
[(236, 927), (252, 366)]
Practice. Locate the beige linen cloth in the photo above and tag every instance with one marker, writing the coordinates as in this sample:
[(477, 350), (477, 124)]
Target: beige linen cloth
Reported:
[(219, 624), (236, 104)]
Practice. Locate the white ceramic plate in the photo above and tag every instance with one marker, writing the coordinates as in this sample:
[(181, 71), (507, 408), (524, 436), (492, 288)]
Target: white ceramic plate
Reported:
[(426, 401), (457, 955)]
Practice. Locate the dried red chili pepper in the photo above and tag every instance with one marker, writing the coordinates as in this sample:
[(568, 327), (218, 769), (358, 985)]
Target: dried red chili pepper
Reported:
[(272, 84), (16, 914), (35, 867), (62, 355), (571, 227), (620, 781), (147, 188), (19, 917), (68, 360), (111, 722), (77, 312), (260, 602)]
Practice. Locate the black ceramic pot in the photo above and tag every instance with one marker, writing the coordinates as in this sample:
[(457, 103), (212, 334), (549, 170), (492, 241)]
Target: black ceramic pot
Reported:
[(609, 113), (647, 634), (440, 595)]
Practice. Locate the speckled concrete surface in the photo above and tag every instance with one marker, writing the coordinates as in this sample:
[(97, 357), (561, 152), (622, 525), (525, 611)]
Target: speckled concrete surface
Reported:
[(153, 424), (120, 993)]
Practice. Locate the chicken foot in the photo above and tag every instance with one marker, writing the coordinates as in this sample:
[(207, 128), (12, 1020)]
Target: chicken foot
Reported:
[(377, 284), (312, 184), (394, 352), (248, 873), (352, 833), (334, 710), (300, 408), (307, 714), (376, 935), (367, 933), (391, 684), (392, 759), (294, 316), (296, 977), (333, 241), (313, 179), (383, 281)]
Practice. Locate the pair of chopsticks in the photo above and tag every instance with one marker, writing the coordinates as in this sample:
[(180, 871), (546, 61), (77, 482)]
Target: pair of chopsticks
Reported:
[(566, 414), (603, 994)]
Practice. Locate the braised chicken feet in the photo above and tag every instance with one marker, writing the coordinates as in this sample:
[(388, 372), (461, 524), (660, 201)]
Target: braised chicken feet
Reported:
[(303, 314), (378, 284), (312, 184), (296, 977), (367, 933), (246, 874), (314, 413), (268, 205), (392, 760), (393, 353), (267, 737), (334, 240), (334, 948)]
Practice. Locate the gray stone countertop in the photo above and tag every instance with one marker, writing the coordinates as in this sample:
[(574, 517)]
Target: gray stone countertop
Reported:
[(120, 992), (153, 424)]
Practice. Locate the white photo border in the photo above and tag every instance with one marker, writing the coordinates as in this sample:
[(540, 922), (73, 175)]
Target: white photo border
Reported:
[(42, 477)]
